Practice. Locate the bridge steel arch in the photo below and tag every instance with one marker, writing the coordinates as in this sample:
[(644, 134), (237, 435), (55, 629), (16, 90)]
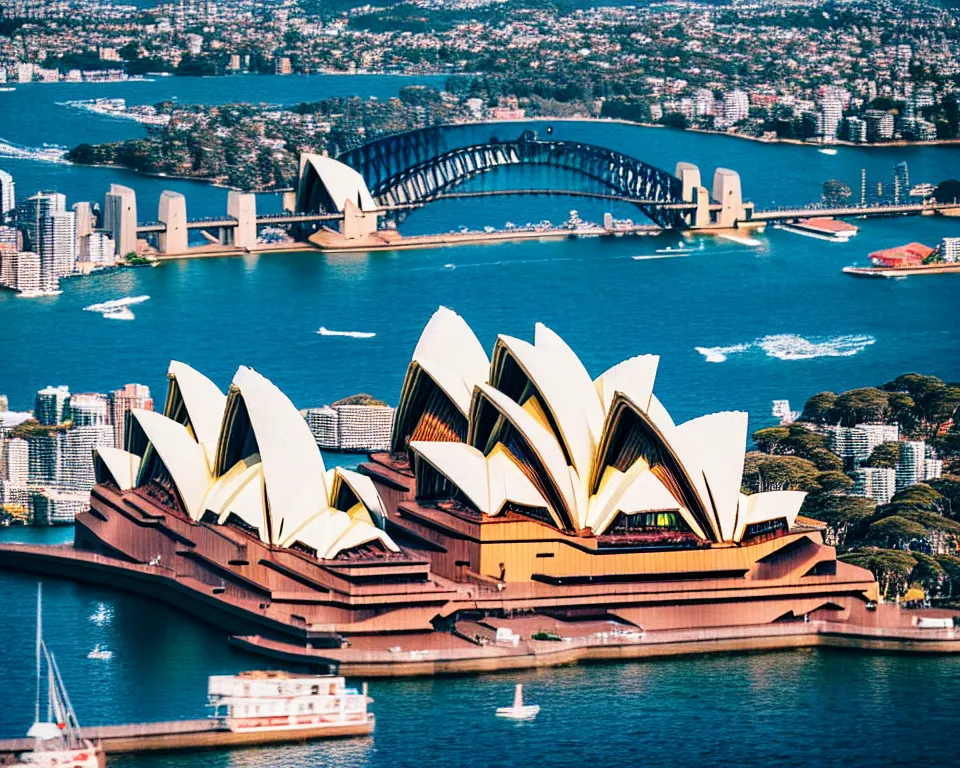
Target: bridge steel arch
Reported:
[(625, 176)]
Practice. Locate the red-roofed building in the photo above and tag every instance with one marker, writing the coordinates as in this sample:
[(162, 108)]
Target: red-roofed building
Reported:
[(909, 255)]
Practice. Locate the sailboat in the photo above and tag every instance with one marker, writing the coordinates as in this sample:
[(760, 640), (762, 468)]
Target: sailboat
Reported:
[(57, 739), (519, 710)]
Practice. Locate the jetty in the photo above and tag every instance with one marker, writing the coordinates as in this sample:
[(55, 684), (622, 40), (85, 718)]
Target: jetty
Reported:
[(192, 734)]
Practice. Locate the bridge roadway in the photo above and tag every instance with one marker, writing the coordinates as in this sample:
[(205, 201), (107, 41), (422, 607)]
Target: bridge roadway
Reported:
[(869, 211)]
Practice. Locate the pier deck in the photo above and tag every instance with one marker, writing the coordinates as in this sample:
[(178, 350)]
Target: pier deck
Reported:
[(193, 734)]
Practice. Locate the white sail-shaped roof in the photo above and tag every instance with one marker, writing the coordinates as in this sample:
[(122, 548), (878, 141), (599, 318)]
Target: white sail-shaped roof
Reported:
[(363, 488), (716, 444), (293, 468), (633, 377), (121, 465), (567, 365), (182, 456), (507, 483), (447, 339), (240, 492), (462, 464), (203, 400), (341, 182), (560, 396), (543, 444), (766, 506)]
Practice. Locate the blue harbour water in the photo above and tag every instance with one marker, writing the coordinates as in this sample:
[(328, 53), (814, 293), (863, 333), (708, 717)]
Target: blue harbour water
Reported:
[(735, 327)]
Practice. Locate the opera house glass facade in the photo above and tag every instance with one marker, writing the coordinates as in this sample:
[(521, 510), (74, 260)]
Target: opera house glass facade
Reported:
[(519, 492)]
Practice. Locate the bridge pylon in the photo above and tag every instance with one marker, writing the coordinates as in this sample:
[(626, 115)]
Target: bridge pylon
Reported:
[(243, 207), (694, 192), (173, 214)]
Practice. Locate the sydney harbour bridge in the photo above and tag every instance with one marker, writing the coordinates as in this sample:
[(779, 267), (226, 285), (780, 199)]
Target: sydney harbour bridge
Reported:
[(389, 177)]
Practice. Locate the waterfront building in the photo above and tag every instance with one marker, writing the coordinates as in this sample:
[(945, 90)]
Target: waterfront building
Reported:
[(736, 107), (100, 249), (32, 212), (44, 459), (909, 255), (8, 197), (9, 239), (950, 249), (120, 218), (53, 507), (857, 443), (20, 270), (875, 483), (89, 409), (124, 400), (829, 118), (58, 246), (357, 424), (514, 484), (14, 461), (880, 125), (856, 130), (52, 405), (76, 449)]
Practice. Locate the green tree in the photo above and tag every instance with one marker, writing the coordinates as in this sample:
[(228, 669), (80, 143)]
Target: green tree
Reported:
[(884, 456), (762, 472), (840, 512), (948, 487), (891, 568), (896, 532), (861, 405), (928, 573), (819, 408)]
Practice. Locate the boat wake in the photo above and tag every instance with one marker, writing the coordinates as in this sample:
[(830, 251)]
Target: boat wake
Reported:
[(47, 154), (352, 334), (117, 309), (788, 346)]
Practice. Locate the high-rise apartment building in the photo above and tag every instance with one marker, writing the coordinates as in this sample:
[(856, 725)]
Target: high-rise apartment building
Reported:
[(876, 484), (14, 461), (858, 442), (32, 211), (52, 405), (76, 455), (20, 270), (122, 401), (58, 246), (736, 107), (829, 118), (89, 409), (8, 197)]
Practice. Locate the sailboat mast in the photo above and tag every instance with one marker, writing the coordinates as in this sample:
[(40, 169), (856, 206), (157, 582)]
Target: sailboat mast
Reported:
[(36, 718)]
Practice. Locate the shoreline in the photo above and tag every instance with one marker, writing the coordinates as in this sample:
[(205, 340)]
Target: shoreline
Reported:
[(290, 644)]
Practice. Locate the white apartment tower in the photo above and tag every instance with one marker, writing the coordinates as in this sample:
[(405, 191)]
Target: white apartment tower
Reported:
[(8, 197), (876, 484)]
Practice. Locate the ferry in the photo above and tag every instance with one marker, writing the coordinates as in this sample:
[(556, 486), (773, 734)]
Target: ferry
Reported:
[(273, 701), (822, 228)]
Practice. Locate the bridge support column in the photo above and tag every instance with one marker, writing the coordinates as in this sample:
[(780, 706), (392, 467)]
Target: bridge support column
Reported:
[(694, 192), (728, 192), (357, 223), (120, 218), (243, 207), (173, 214)]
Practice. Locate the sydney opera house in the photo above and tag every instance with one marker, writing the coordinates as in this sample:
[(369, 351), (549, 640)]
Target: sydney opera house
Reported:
[(526, 509)]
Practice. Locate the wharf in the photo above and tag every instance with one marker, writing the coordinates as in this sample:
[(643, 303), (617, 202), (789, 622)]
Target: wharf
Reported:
[(923, 269), (330, 241), (193, 734)]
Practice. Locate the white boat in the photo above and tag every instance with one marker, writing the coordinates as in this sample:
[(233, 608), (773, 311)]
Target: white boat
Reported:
[(668, 249), (57, 739), (277, 701), (119, 313), (352, 334), (100, 654), (827, 151), (519, 710)]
